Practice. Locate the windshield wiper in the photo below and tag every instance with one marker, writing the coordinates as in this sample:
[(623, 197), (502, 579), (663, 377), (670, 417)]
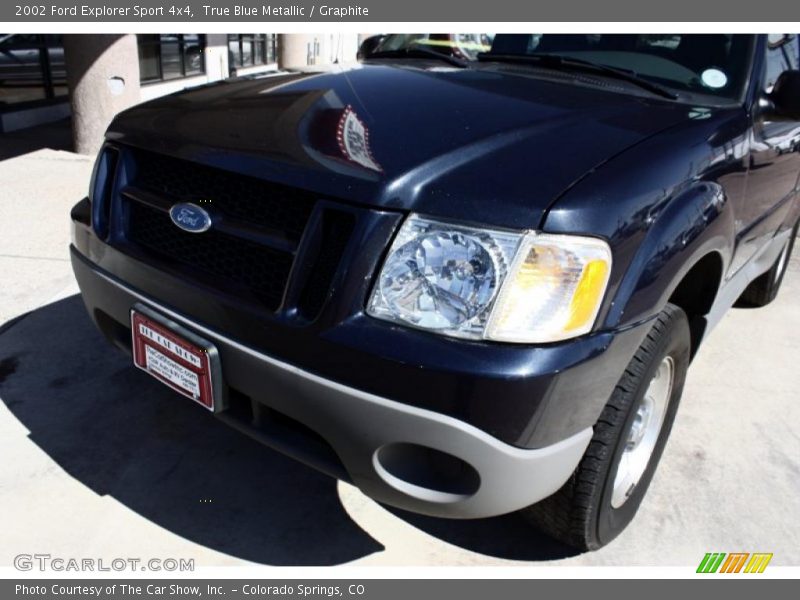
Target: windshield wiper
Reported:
[(557, 61), (417, 52)]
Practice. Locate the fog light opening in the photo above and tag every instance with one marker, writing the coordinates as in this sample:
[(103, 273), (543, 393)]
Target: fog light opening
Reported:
[(426, 473)]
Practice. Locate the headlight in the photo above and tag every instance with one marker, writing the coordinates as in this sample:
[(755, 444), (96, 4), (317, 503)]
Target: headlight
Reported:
[(491, 284)]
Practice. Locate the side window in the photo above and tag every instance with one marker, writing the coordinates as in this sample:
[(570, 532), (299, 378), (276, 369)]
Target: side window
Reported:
[(782, 55)]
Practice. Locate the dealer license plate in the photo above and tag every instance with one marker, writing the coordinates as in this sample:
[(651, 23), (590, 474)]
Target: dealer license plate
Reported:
[(175, 356)]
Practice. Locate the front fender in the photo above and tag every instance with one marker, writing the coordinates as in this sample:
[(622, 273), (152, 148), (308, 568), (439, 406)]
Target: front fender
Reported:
[(662, 206), (696, 222)]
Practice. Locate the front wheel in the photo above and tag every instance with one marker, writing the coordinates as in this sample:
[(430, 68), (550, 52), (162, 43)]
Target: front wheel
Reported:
[(605, 491)]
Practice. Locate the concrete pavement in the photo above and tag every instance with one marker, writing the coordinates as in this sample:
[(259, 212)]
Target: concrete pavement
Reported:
[(36, 192), (102, 461)]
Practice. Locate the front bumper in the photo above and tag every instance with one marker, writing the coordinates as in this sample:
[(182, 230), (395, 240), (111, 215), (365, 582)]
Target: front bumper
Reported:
[(405, 456), (523, 395)]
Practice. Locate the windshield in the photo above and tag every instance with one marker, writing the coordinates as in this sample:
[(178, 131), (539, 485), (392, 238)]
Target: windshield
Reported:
[(695, 64)]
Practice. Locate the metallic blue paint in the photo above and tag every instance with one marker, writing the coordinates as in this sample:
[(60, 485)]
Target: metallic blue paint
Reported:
[(665, 183)]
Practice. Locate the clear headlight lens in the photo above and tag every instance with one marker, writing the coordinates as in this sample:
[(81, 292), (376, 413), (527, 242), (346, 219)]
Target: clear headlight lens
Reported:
[(442, 276), (491, 284)]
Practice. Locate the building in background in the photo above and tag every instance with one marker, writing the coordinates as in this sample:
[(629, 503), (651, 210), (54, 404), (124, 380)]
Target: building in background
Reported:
[(108, 73), (33, 80)]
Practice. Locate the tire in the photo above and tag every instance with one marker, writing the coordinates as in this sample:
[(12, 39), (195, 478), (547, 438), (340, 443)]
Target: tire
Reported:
[(586, 513), (764, 289)]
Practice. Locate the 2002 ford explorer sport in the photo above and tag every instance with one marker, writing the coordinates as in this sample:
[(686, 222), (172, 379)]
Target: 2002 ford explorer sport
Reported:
[(467, 274)]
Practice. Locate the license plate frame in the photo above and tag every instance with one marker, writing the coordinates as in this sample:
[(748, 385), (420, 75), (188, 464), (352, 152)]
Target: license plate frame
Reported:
[(177, 357)]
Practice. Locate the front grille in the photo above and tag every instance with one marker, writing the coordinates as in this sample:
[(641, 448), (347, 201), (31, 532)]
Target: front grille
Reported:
[(335, 233), (258, 229), (239, 197), (246, 268)]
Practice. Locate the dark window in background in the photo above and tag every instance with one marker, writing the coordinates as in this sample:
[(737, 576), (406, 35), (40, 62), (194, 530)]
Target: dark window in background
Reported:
[(31, 69), (251, 49), (783, 54), (170, 56)]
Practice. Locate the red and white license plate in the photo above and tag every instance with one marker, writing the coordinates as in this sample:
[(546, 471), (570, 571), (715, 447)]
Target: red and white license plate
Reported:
[(174, 356)]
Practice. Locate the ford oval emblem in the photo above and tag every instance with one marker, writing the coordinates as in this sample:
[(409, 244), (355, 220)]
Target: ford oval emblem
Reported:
[(190, 217)]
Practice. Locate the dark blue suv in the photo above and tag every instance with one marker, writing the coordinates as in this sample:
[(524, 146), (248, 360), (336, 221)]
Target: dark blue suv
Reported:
[(468, 274)]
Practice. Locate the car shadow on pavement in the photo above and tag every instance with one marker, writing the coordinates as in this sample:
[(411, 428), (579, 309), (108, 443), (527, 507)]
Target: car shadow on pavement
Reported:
[(122, 434)]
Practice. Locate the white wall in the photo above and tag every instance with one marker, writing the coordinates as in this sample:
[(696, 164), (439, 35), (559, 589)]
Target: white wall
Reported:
[(300, 51)]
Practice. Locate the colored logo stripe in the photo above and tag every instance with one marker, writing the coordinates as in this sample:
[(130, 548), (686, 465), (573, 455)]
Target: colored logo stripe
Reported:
[(758, 562), (713, 562), (734, 562)]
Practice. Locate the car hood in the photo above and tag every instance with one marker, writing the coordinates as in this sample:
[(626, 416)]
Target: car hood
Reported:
[(474, 144)]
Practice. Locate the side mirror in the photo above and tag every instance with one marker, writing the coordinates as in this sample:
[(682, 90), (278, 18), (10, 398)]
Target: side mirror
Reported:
[(368, 46), (785, 97)]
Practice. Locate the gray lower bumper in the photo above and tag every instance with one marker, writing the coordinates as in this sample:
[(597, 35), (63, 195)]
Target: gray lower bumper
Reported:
[(405, 456)]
